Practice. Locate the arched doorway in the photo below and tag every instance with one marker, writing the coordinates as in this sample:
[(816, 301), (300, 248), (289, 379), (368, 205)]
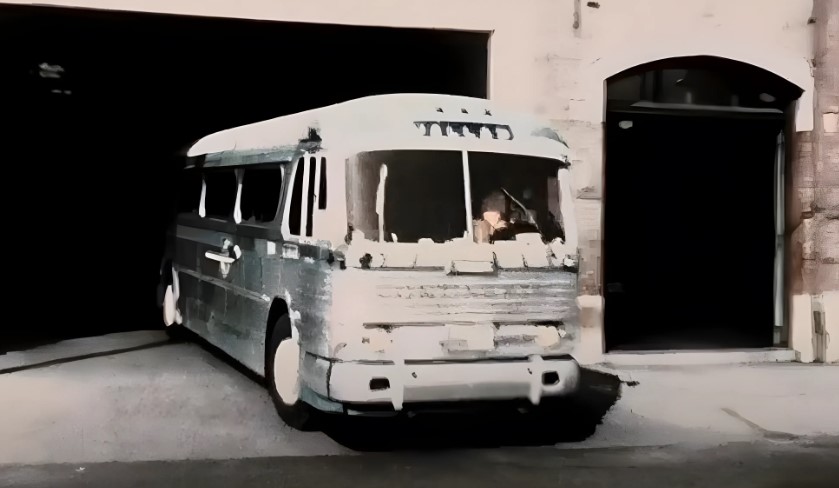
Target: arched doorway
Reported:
[(693, 195)]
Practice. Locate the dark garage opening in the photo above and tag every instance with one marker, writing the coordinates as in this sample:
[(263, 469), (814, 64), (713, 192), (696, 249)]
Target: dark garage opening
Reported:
[(689, 217), (104, 103)]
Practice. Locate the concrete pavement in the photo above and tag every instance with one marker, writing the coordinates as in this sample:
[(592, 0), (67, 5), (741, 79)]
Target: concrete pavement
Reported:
[(782, 402), (174, 401), (76, 349), (177, 401)]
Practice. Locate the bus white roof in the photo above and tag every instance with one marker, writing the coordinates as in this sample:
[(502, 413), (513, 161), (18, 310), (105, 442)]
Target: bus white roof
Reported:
[(394, 119)]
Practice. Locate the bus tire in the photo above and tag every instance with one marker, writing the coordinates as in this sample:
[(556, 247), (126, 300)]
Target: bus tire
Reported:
[(283, 379), (168, 295)]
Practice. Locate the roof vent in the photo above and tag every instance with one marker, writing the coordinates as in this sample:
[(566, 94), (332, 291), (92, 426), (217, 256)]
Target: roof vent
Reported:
[(312, 136), (487, 112), (439, 109), (463, 110)]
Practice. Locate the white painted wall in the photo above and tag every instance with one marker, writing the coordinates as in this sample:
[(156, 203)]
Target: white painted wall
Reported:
[(540, 63), (830, 305), (771, 34), (801, 330)]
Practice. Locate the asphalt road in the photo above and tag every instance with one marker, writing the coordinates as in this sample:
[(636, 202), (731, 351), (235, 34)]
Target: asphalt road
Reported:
[(176, 414), (764, 464)]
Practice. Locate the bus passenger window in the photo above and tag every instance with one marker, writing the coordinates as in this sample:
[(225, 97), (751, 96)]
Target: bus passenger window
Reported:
[(189, 193), (310, 203), (294, 211), (261, 191), (221, 193), (322, 189)]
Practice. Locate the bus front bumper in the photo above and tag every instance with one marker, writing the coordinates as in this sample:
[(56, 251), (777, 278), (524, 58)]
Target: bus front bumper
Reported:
[(417, 382)]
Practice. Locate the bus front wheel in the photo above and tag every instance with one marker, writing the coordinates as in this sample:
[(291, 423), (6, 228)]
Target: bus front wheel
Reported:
[(282, 372)]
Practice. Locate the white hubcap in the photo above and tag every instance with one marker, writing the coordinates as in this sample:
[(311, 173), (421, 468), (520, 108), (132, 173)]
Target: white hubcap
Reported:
[(171, 314), (286, 369), (169, 306)]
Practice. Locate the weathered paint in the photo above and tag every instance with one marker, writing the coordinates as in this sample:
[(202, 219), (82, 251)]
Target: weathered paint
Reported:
[(408, 314), (428, 382), (553, 58), (354, 315), (391, 122), (801, 318), (382, 304), (830, 305)]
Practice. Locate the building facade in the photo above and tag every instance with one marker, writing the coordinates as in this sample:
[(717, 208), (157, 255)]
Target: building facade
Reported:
[(559, 58)]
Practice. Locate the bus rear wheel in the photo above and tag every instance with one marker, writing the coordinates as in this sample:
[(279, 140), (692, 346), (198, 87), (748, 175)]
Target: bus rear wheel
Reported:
[(282, 374), (171, 314)]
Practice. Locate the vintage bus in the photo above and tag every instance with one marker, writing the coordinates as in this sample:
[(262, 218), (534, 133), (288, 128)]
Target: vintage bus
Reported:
[(382, 254)]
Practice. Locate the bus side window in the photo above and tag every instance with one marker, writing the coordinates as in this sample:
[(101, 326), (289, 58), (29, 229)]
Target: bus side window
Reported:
[(310, 196), (296, 206), (303, 191), (322, 189), (221, 193), (261, 191), (189, 193)]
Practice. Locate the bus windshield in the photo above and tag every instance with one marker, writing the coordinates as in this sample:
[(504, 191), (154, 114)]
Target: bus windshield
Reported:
[(413, 196)]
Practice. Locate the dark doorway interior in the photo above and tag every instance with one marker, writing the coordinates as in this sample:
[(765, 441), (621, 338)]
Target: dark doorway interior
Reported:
[(689, 223), (102, 104), (689, 219)]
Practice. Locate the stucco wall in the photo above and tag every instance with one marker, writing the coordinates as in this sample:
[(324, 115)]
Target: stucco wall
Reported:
[(553, 56), (539, 61)]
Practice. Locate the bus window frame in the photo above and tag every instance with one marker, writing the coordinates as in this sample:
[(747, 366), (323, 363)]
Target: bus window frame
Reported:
[(311, 169), (272, 227), (260, 230)]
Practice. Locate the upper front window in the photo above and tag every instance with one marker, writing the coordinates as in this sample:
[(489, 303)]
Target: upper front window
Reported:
[(513, 194), (417, 194), (408, 196)]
